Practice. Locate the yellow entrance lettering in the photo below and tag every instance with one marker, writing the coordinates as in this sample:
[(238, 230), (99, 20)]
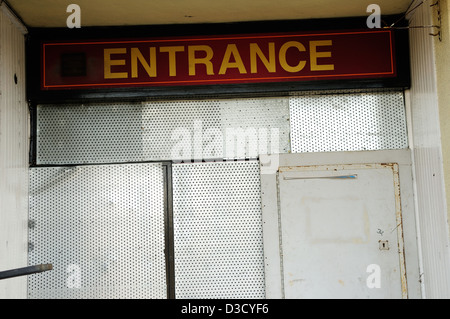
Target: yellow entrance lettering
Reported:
[(149, 67), (108, 62), (193, 60), (232, 50), (269, 63), (172, 57), (282, 56), (315, 55)]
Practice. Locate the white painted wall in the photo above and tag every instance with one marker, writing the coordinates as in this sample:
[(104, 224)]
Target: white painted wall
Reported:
[(427, 157), (14, 137)]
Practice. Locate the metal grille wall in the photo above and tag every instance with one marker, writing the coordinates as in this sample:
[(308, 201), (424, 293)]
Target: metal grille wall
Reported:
[(103, 226), (103, 229), (348, 122), (155, 131), (215, 129), (218, 230)]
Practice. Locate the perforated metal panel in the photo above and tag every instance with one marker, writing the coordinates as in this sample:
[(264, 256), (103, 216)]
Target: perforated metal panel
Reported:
[(169, 128), (154, 131), (348, 122), (218, 230), (77, 134), (102, 228), (256, 126)]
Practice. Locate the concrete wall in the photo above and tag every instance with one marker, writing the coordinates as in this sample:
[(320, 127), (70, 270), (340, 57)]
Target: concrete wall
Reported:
[(443, 87), (14, 137), (429, 117)]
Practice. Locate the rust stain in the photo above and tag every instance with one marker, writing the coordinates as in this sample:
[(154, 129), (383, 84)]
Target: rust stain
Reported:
[(295, 281), (398, 212)]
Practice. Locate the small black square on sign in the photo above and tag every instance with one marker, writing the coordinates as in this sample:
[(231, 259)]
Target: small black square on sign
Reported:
[(73, 64)]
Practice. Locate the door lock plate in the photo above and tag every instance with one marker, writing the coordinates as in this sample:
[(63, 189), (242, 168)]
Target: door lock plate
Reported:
[(383, 244)]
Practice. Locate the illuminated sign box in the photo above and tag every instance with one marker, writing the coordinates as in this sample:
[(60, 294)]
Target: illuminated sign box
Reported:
[(212, 60)]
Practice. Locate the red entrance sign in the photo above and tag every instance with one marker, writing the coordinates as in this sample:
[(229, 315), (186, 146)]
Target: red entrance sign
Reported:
[(287, 57)]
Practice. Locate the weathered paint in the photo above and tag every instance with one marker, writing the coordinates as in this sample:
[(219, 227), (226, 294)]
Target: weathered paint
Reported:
[(398, 162), (400, 241), (428, 110), (13, 155)]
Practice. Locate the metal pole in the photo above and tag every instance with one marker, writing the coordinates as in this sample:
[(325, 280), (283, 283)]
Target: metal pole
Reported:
[(25, 271)]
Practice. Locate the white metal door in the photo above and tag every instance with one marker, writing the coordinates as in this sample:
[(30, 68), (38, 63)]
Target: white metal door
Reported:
[(338, 222), (344, 230)]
